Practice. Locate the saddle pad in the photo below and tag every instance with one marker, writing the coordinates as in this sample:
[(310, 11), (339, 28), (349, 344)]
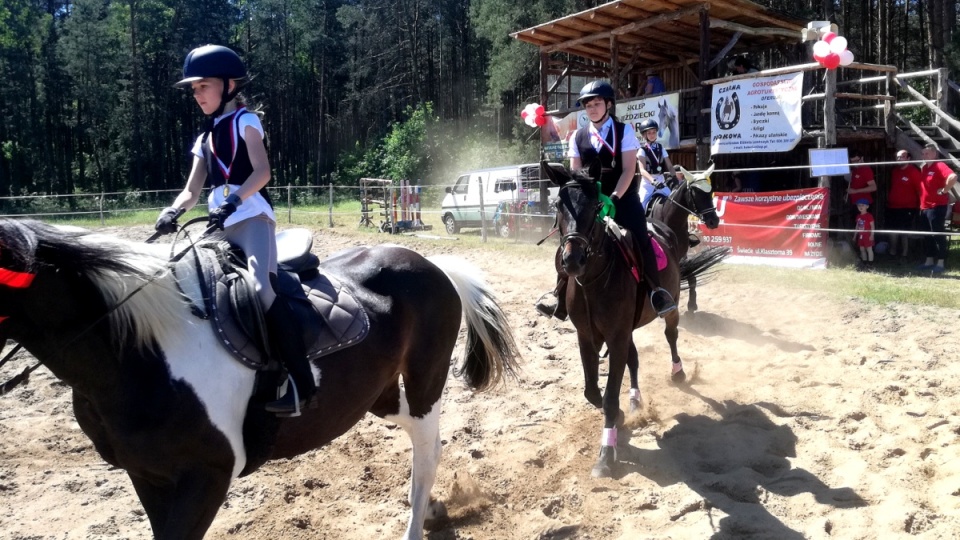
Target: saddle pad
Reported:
[(658, 251), (224, 294)]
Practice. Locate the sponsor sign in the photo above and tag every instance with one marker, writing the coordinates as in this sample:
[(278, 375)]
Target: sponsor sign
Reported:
[(776, 228), (756, 115)]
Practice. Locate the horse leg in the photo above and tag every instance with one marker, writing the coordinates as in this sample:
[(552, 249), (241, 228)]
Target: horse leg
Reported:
[(590, 359), (611, 405), (633, 367), (424, 432), (185, 508), (672, 320), (692, 294)]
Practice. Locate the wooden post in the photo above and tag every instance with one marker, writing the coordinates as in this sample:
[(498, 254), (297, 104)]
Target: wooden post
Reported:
[(289, 206), (331, 204), (830, 109), (615, 64), (943, 97), (101, 209), (706, 92), (544, 65), (889, 106)]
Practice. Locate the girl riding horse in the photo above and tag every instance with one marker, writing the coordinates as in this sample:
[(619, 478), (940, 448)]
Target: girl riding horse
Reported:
[(611, 146)]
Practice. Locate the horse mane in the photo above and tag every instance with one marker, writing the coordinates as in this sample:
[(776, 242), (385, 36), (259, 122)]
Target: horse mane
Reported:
[(115, 267)]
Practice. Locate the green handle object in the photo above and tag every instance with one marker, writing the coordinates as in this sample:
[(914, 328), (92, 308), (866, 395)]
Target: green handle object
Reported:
[(607, 208)]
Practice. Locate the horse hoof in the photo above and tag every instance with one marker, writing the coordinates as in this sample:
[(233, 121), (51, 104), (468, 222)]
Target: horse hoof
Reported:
[(677, 374), (635, 405), (604, 465), (436, 517), (594, 397)]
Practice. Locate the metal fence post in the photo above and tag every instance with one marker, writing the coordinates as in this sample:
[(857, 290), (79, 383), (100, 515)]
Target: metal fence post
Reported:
[(289, 206)]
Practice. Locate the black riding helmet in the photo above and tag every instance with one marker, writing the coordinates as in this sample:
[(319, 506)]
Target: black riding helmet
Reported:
[(648, 124), (596, 89), (218, 62)]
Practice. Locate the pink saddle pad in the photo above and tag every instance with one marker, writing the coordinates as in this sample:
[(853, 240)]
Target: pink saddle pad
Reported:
[(658, 251)]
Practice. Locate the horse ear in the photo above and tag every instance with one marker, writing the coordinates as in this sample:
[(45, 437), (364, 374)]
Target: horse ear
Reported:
[(556, 172), (709, 170), (686, 174)]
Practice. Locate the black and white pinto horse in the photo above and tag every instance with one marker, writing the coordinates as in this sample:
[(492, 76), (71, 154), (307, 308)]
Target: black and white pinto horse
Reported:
[(692, 197), (160, 398)]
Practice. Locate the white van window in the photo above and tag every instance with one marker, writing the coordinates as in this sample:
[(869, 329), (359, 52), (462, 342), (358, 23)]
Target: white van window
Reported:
[(505, 184), (461, 186)]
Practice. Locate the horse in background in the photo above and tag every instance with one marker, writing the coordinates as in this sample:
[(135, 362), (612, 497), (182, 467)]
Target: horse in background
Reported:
[(606, 299), (692, 197), (669, 121), (162, 399)]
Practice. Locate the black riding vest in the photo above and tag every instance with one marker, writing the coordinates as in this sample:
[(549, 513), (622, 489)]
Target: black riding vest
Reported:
[(654, 153), (226, 139), (610, 174)]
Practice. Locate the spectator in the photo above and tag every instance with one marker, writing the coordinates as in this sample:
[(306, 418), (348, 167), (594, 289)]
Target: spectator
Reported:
[(862, 184), (863, 238), (654, 84), (903, 202), (936, 180), (747, 181), (741, 65)]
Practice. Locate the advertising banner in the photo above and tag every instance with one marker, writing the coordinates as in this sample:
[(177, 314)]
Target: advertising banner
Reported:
[(756, 115), (558, 132), (776, 228)]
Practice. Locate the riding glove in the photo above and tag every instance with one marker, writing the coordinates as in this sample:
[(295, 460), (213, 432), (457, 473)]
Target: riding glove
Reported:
[(167, 221), (226, 209)]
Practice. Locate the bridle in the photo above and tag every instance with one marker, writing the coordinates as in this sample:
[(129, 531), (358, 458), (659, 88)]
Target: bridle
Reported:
[(672, 199)]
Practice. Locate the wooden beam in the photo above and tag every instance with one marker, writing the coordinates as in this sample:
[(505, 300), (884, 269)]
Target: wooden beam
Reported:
[(627, 28), (932, 106), (765, 73), (830, 110), (744, 29), (726, 48), (703, 127), (875, 97)]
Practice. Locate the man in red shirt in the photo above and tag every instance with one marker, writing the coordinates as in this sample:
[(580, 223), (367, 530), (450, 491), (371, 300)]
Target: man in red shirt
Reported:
[(902, 202), (936, 179), (862, 185)]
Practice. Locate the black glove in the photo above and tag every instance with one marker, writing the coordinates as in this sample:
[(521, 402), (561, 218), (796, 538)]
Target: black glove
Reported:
[(614, 198), (226, 209), (167, 221), (659, 185)]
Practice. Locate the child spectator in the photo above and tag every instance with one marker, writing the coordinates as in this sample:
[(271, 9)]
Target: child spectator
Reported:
[(863, 238)]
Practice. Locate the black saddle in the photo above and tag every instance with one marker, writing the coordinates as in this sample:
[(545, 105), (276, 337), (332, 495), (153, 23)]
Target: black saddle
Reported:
[(214, 277)]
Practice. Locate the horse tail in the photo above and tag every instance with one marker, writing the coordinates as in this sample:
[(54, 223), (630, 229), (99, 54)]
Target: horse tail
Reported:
[(702, 266), (491, 351)]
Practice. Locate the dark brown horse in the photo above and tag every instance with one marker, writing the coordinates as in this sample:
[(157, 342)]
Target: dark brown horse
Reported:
[(606, 302), (691, 198), (160, 398)]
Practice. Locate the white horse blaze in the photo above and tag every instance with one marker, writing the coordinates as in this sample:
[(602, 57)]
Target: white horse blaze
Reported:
[(424, 435)]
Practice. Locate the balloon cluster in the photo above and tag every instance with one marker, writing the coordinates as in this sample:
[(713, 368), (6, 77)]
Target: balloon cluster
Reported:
[(831, 51), (533, 115)]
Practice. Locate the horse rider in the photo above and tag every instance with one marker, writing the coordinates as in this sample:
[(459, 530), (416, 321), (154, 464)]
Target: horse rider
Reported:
[(238, 202), (614, 145), (656, 163)]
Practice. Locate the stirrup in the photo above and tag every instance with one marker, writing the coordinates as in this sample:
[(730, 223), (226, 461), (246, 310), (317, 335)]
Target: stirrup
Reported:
[(283, 406), (666, 307)]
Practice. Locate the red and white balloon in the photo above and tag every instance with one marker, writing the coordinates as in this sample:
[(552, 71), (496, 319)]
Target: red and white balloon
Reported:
[(831, 51), (534, 115)]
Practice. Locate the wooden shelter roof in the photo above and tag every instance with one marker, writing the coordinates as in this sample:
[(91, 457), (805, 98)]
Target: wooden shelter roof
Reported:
[(663, 32)]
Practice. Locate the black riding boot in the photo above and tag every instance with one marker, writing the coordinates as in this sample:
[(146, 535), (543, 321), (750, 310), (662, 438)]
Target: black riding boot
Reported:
[(554, 304), (286, 340), (662, 301)]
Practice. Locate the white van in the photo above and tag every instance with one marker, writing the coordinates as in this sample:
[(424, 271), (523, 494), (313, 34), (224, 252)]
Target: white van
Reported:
[(461, 204)]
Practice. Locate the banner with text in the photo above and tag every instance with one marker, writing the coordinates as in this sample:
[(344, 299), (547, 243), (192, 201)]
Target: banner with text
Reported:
[(756, 115), (776, 228), (558, 132)]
